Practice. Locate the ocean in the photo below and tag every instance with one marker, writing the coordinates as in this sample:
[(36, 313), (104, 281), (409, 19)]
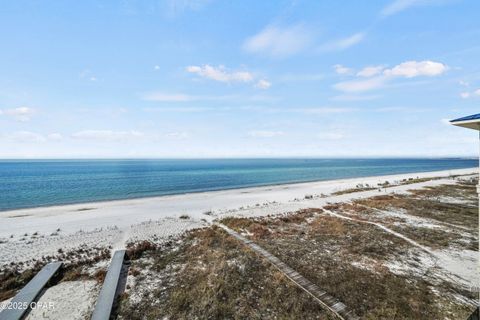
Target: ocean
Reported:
[(34, 183)]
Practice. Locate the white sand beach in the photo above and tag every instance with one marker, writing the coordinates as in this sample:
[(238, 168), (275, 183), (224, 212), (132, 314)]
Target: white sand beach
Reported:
[(28, 234)]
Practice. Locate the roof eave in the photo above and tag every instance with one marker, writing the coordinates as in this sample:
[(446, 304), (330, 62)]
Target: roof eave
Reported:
[(469, 124)]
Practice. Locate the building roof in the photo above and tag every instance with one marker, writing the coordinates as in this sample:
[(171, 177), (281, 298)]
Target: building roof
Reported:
[(471, 122)]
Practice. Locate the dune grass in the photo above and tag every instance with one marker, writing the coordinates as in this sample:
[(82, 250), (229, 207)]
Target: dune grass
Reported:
[(350, 260), (209, 275)]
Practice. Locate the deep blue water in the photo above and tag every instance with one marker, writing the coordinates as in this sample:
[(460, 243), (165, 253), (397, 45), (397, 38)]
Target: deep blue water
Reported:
[(36, 183)]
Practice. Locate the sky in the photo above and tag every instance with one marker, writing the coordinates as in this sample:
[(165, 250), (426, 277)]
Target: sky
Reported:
[(210, 79)]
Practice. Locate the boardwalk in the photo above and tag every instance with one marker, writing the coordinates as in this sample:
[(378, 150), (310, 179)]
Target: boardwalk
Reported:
[(336, 307)]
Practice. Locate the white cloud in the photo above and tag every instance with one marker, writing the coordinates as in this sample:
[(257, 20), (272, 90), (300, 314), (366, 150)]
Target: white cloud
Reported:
[(339, 69), (27, 136), (344, 43), (220, 73), (20, 114), (32, 137), (400, 5), (410, 69), (88, 74), (465, 95), (361, 85), (156, 67), (265, 134), (370, 71), (263, 84), (107, 135), (278, 42)]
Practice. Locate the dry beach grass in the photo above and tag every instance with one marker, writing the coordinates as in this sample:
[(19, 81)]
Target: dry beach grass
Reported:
[(209, 275)]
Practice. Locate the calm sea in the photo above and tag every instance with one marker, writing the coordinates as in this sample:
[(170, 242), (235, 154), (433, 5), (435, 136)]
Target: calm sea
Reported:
[(36, 183)]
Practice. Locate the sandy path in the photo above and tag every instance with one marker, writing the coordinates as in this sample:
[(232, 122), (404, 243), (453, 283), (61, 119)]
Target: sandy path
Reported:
[(69, 300), (388, 230)]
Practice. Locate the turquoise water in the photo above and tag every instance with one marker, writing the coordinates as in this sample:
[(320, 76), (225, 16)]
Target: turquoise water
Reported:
[(36, 183)]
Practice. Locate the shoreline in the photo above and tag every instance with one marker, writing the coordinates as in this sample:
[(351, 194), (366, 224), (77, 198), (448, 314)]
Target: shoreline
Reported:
[(421, 174), (28, 234), (123, 214)]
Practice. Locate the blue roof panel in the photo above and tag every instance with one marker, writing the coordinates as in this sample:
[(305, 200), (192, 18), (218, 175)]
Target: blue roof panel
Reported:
[(467, 118)]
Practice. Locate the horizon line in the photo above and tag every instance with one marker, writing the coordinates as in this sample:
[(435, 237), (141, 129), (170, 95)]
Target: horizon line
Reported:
[(244, 158)]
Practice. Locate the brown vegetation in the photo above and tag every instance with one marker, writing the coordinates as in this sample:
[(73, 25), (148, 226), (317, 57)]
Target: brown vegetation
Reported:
[(452, 213), (417, 180), (210, 275), (347, 259), (437, 238), (352, 190), (136, 250)]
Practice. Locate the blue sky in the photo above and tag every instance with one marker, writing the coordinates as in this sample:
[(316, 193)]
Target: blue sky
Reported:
[(193, 78)]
